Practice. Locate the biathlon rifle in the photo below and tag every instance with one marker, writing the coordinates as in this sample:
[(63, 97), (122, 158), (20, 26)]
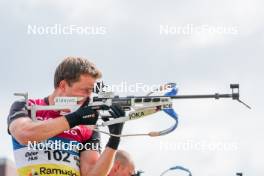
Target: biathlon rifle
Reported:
[(136, 107)]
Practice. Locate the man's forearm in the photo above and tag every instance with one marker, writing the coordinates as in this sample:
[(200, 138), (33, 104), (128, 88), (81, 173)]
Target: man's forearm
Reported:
[(103, 165), (26, 130)]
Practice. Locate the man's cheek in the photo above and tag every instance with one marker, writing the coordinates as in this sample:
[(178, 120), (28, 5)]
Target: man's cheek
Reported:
[(69, 92)]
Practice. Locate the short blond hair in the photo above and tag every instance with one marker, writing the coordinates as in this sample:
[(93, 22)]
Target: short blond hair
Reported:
[(123, 157)]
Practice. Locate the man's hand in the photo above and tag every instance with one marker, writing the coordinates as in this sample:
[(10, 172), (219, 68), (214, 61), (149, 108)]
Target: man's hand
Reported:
[(116, 112), (85, 115)]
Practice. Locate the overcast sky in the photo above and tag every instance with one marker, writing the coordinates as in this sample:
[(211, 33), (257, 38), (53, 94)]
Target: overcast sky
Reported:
[(127, 44)]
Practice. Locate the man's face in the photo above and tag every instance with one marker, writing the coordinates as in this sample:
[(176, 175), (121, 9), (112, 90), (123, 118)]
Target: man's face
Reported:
[(81, 88)]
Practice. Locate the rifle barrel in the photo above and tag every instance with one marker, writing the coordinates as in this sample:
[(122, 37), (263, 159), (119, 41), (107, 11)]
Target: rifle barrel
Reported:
[(216, 96)]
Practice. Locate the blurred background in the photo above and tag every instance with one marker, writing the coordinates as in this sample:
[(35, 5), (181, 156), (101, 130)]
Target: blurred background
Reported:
[(203, 46)]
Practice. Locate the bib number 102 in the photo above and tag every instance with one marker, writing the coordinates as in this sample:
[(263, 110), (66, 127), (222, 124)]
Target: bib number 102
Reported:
[(58, 155)]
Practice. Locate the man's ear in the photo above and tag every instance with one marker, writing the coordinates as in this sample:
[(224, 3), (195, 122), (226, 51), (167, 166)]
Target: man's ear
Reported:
[(62, 85), (116, 166)]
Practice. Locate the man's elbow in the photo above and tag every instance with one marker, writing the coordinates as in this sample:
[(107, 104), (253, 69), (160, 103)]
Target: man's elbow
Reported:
[(22, 135), (24, 138)]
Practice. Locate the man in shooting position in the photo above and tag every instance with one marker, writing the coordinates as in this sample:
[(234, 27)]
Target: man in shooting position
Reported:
[(74, 77)]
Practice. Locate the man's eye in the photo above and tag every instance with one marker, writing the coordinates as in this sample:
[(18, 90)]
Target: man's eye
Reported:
[(87, 90)]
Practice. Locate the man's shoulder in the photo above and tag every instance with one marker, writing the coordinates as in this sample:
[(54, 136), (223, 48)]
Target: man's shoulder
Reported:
[(19, 108)]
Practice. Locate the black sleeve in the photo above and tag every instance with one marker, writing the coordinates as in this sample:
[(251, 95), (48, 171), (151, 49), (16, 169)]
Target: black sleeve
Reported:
[(17, 110), (93, 143)]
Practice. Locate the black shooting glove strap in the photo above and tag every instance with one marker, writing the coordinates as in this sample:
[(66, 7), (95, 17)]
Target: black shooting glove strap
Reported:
[(116, 112)]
